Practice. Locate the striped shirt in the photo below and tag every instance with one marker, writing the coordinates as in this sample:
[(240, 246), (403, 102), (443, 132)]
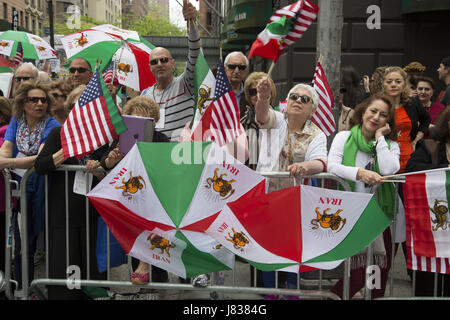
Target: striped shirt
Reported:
[(176, 101)]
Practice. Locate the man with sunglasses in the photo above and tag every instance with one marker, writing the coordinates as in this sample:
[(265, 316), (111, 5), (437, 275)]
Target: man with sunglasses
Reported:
[(26, 71), (236, 68), (80, 71), (174, 95)]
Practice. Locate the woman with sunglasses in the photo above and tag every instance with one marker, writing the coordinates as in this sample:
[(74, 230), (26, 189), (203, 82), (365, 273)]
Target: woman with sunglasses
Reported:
[(59, 89), (25, 136), (50, 158), (289, 142), (248, 114), (361, 156)]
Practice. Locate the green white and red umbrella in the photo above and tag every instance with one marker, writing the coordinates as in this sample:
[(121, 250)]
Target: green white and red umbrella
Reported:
[(162, 196), (126, 49), (33, 46)]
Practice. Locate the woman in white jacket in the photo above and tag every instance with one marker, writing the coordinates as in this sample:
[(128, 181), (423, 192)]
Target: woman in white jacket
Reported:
[(289, 142), (362, 156)]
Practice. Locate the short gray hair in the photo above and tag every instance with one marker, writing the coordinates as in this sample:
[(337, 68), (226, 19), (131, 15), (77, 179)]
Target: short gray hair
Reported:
[(236, 53), (312, 91), (28, 65)]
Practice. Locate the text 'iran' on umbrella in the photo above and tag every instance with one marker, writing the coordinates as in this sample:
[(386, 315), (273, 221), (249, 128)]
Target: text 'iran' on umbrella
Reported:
[(33, 46), (130, 56), (158, 207)]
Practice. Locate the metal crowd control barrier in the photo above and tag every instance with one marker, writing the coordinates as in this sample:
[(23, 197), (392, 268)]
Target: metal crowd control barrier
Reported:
[(20, 193)]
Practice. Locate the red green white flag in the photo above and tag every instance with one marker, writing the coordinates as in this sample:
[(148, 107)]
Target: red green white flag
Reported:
[(299, 226), (161, 197), (426, 197), (286, 26)]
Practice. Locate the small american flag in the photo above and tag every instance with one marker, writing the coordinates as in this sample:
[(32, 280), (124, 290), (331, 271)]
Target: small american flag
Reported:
[(323, 117), (108, 73), (94, 121), (222, 115), (18, 59)]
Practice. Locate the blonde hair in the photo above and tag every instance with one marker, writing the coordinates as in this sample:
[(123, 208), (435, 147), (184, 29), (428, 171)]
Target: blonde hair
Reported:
[(143, 105), (404, 95), (253, 78)]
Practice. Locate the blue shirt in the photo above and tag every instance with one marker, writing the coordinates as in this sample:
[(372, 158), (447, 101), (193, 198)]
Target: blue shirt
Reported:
[(10, 134), (239, 94)]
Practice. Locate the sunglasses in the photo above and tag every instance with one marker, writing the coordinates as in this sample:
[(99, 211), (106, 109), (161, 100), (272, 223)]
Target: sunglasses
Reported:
[(241, 67), (162, 60), (36, 99), (80, 70), (18, 79), (303, 99), (252, 92)]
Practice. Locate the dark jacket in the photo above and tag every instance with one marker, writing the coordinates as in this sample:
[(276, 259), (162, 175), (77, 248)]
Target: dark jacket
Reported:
[(420, 118), (422, 159)]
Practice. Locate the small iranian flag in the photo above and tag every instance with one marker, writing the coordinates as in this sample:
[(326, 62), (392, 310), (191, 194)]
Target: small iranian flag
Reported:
[(286, 26), (204, 86), (426, 212), (298, 226), (161, 197)]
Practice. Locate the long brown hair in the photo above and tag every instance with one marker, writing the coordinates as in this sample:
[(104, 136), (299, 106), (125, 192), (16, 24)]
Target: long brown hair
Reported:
[(362, 107)]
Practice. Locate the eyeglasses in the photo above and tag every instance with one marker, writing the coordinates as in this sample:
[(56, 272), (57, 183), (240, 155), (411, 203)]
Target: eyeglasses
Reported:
[(80, 70), (241, 67), (162, 60), (303, 99), (252, 92), (18, 79), (36, 99), (423, 88)]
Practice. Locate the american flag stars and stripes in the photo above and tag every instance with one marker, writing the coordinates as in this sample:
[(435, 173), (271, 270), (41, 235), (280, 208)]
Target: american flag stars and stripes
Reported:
[(323, 117), (89, 124), (18, 58), (108, 73), (225, 123)]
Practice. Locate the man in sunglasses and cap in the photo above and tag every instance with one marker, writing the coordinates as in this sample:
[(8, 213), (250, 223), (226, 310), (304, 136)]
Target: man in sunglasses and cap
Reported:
[(175, 95), (80, 71)]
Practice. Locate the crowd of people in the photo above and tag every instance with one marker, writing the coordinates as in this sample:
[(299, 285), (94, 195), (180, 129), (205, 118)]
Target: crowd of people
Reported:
[(391, 122)]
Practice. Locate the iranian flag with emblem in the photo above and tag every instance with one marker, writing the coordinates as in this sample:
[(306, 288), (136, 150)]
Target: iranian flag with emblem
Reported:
[(426, 197), (204, 86), (161, 197), (299, 227)]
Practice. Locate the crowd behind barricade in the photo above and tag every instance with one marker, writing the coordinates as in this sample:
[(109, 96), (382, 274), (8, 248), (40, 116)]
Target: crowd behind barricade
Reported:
[(391, 122)]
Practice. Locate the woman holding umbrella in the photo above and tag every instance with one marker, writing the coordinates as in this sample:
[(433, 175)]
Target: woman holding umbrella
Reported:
[(26, 133)]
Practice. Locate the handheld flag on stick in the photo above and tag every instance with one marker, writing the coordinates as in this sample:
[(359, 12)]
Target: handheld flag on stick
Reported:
[(18, 59), (221, 118), (286, 26), (323, 117), (94, 121)]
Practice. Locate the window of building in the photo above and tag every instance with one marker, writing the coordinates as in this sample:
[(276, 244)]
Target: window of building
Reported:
[(5, 11)]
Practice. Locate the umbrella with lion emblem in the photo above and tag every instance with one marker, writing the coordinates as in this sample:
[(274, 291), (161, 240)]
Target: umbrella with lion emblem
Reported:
[(162, 196)]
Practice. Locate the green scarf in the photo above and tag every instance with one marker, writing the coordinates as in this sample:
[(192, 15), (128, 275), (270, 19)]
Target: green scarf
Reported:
[(355, 142)]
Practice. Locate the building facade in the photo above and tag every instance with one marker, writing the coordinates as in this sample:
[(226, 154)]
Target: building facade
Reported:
[(109, 11)]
